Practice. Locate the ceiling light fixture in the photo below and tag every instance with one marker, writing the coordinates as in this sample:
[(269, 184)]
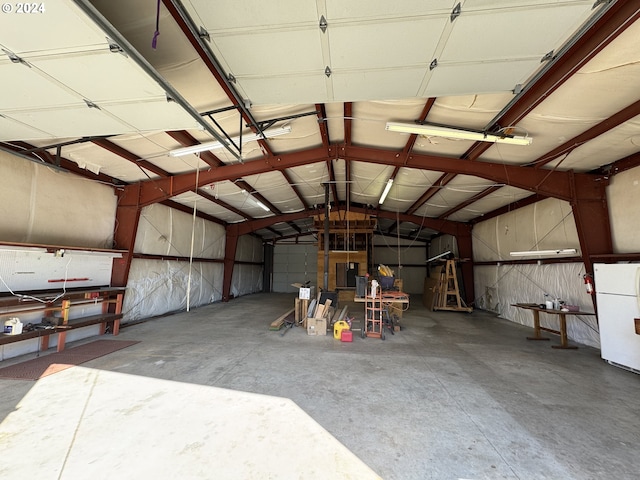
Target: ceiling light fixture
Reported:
[(203, 147), (449, 132), (561, 251), (386, 191), (255, 201)]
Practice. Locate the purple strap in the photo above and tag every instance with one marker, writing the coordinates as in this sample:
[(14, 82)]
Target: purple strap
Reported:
[(154, 42)]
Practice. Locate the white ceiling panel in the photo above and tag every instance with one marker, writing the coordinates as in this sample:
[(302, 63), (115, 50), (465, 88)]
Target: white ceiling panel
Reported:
[(80, 121), (285, 89), (73, 70), (247, 55), (63, 64), (375, 84), (250, 14), (365, 9), (383, 44), (24, 88), (486, 77), (152, 114), (11, 129), (531, 31), (62, 26)]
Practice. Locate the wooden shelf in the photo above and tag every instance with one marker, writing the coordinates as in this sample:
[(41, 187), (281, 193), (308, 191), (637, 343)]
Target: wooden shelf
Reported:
[(59, 306)]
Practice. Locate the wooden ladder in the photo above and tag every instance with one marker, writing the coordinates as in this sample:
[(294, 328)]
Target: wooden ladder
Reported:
[(448, 292)]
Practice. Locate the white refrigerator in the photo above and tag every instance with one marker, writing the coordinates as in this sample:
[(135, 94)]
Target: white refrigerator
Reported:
[(618, 299)]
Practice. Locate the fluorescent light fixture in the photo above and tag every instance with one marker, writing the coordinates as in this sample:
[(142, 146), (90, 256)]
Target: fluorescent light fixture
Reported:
[(262, 205), (256, 202), (449, 132), (203, 147), (562, 251), (386, 191), (444, 254)]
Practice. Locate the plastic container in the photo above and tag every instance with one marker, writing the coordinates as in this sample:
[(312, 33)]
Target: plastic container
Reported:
[(338, 327), (374, 288), (13, 326), (346, 336), (386, 283)]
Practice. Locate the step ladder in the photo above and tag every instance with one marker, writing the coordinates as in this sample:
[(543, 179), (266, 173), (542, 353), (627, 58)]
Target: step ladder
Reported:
[(447, 292)]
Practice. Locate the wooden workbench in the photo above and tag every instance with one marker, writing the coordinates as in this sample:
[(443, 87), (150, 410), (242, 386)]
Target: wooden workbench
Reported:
[(562, 316)]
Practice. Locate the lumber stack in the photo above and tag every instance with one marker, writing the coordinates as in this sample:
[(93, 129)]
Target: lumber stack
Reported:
[(279, 322)]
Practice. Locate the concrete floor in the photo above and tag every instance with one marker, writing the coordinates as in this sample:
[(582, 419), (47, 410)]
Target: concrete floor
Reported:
[(451, 396)]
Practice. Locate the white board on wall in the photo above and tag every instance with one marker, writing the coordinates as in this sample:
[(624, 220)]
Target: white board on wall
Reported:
[(40, 268)]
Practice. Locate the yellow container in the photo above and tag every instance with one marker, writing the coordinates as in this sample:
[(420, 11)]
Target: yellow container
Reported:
[(338, 327)]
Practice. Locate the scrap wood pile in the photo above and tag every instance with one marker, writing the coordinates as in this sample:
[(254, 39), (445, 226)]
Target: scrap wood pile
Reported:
[(304, 309)]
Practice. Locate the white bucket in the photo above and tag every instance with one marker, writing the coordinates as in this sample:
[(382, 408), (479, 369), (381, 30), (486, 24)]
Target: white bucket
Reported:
[(13, 326), (374, 288)]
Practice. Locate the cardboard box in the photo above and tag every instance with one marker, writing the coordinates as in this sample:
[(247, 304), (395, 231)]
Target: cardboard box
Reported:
[(306, 293), (316, 326)]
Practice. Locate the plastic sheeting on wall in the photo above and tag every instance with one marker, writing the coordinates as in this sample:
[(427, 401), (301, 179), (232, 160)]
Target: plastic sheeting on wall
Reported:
[(248, 278), (498, 287), (49, 207), (156, 287), (545, 225), (166, 231), (624, 206)]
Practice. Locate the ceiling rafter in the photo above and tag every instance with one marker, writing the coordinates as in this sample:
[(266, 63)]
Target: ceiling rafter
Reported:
[(322, 124), (332, 180), (186, 140), (623, 164), (261, 198), (550, 183), (222, 203), (127, 155), (431, 191), (295, 189)]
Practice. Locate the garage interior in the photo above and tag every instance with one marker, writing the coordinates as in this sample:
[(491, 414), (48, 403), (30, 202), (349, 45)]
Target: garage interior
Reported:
[(179, 174)]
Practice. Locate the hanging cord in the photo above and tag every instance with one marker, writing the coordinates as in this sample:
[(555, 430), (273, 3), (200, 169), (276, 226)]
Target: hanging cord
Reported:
[(156, 34), (193, 232), (398, 239)]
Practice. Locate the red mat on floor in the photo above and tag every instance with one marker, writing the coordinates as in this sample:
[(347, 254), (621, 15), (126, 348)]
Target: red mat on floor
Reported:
[(56, 362)]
